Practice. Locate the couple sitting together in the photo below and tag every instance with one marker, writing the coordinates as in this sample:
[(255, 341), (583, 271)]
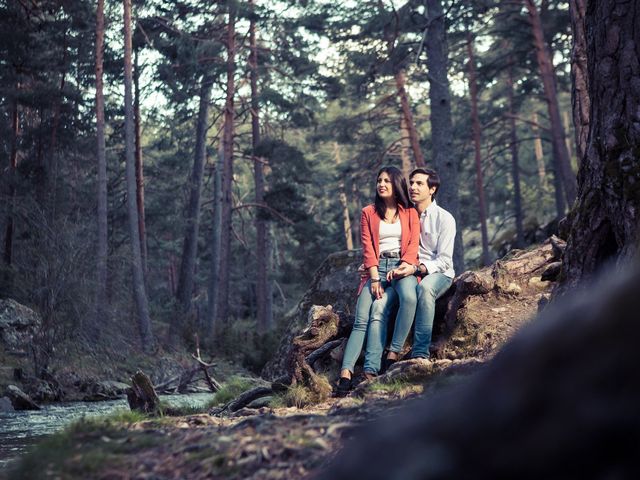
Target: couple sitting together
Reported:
[(408, 249)]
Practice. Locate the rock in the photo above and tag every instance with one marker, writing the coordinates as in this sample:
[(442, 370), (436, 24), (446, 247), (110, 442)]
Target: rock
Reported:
[(42, 390), (18, 324), (551, 272), (6, 405), (19, 399), (334, 283), (104, 390), (545, 407)]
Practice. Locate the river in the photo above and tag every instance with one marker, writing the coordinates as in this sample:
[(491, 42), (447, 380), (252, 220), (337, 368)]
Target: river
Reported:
[(21, 429)]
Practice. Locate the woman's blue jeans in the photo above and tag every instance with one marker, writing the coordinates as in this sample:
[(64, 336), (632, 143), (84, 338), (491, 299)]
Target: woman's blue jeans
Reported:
[(372, 316)]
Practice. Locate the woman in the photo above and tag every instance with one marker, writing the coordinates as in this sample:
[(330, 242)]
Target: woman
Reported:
[(390, 232)]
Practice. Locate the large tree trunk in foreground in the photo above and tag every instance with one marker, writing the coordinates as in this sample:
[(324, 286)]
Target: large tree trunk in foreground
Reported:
[(604, 223), (444, 159), (140, 294), (101, 274), (579, 76)]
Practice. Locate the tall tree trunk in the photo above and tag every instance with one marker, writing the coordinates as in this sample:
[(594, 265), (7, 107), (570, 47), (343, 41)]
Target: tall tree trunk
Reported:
[(405, 146), (579, 77), (13, 165), (192, 213), (139, 170), (441, 128), (214, 275), (140, 294), (227, 173), (482, 209), (51, 170), (101, 291), (262, 257), (346, 218), (515, 163), (539, 154), (560, 154), (408, 118), (605, 222)]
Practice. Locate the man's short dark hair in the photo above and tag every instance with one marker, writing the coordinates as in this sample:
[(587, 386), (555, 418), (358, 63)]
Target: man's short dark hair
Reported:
[(433, 179)]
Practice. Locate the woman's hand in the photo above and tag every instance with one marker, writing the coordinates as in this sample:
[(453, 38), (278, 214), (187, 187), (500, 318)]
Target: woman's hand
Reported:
[(376, 289)]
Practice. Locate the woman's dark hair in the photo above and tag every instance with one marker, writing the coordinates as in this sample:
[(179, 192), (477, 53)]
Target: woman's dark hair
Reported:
[(400, 192)]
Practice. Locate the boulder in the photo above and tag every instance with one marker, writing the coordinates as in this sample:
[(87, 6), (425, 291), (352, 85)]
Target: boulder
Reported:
[(96, 391), (6, 405), (334, 283), (18, 324), (19, 399)]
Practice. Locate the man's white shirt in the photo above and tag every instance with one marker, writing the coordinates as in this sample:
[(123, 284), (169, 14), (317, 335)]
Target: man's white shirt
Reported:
[(437, 235)]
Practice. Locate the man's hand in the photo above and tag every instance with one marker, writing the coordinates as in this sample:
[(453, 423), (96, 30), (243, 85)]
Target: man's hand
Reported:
[(403, 270)]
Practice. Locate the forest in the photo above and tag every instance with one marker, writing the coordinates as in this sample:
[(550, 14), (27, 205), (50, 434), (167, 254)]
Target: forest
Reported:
[(174, 173), (249, 137)]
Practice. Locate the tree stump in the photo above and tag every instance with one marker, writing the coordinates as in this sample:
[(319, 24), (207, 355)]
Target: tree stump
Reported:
[(142, 397), (323, 326)]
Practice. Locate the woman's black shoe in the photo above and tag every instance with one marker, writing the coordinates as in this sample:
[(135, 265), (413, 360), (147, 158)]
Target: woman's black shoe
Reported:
[(344, 387)]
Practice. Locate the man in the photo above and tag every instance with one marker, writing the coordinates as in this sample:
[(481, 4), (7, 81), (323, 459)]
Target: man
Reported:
[(437, 234)]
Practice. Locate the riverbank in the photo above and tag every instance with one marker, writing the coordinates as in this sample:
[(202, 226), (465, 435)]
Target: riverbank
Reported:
[(266, 443), (21, 430)]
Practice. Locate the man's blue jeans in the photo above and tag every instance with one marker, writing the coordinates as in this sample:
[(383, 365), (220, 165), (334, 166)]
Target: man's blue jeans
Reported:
[(371, 318), (430, 288)]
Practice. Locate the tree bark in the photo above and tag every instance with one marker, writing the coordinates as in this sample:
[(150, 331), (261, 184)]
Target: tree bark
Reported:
[(405, 146), (515, 163), (604, 224), (560, 154), (539, 154), (192, 214), (441, 127), (346, 218), (212, 291), (579, 78), (101, 293), (13, 165), (262, 258), (140, 294), (408, 118), (227, 174), (139, 166), (482, 209)]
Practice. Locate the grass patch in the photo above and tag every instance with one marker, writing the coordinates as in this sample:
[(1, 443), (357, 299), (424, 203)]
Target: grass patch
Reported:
[(235, 386), (84, 447), (297, 396), (398, 387)]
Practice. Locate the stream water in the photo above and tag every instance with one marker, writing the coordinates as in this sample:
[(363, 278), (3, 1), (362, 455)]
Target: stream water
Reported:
[(19, 430)]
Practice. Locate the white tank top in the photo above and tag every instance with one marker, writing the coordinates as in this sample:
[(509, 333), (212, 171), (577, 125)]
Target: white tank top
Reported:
[(390, 234)]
